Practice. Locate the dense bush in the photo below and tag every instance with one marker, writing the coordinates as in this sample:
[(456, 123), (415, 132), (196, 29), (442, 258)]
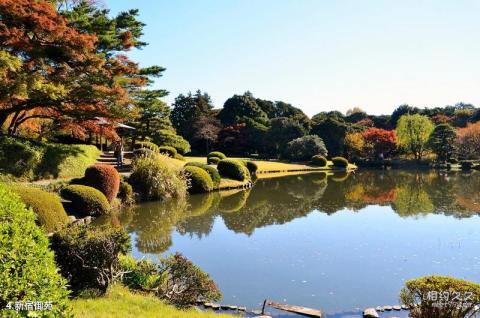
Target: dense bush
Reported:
[(88, 255), (179, 157), (233, 169), (27, 266), (340, 162), (319, 160), (104, 178), (153, 179), (422, 294), (47, 206), (34, 160), (200, 180), (146, 145), (166, 137), (214, 174), (217, 154), (213, 160), (167, 150), (85, 200), (304, 148), (125, 192), (196, 284), (140, 274), (252, 166)]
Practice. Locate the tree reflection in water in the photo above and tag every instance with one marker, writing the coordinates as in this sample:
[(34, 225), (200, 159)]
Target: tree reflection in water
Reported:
[(281, 200)]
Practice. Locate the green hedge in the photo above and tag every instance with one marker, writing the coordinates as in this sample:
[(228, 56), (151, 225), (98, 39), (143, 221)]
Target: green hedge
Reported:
[(214, 174), (319, 160), (104, 178), (167, 150), (166, 137), (251, 166), (217, 154), (86, 200), (49, 209), (32, 160), (27, 266), (340, 162), (213, 160), (146, 145), (233, 169), (200, 180)]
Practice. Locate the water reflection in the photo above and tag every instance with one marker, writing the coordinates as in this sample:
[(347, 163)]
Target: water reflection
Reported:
[(281, 200)]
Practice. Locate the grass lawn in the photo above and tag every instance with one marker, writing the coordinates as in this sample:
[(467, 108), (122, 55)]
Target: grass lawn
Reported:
[(120, 302)]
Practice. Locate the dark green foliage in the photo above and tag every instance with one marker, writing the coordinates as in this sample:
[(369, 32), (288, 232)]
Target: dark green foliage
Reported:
[(168, 151), (319, 160), (281, 131), (165, 137), (400, 111), (47, 206), (442, 141), (200, 180), (88, 255), (239, 107), (153, 179), (146, 145), (85, 200), (233, 169), (211, 171), (304, 148), (125, 193), (27, 266), (252, 167), (340, 162), (217, 154), (104, 178), (464, 296), (332, 130), (213, 160)]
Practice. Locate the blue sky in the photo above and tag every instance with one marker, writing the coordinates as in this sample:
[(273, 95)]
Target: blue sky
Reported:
[(316, 54)]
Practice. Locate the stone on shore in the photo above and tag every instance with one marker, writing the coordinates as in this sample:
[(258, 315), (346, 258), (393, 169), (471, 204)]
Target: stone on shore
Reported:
[(370, 313), (387, 308)]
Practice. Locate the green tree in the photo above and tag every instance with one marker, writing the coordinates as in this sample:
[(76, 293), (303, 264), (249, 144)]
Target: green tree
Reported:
[(333, 131), (239, 107), (400, 111), (187, 110), (281, 131), (413, 132), (442, 141)]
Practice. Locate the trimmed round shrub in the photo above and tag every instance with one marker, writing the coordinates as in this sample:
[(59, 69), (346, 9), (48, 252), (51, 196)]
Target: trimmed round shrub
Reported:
[(423, 294), (27, 266), (213, 160), (217, 154), (125, 192), (89, 255), (319, 160), (233, 169), (340, 162), (252, 166), (104, 178), (51, 215), (153, 179), (167, 150), (167, 137), (146, 145), (86, 200), (200, 180), (214, 174)]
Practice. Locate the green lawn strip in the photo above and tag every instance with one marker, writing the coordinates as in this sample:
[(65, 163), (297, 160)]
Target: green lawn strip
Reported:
[(121, 302)]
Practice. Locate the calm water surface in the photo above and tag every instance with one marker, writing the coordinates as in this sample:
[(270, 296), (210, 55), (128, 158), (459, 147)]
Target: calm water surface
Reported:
[(337, 242)]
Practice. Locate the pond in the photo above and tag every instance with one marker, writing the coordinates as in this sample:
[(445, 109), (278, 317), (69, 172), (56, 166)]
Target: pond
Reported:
[(340, 242)]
